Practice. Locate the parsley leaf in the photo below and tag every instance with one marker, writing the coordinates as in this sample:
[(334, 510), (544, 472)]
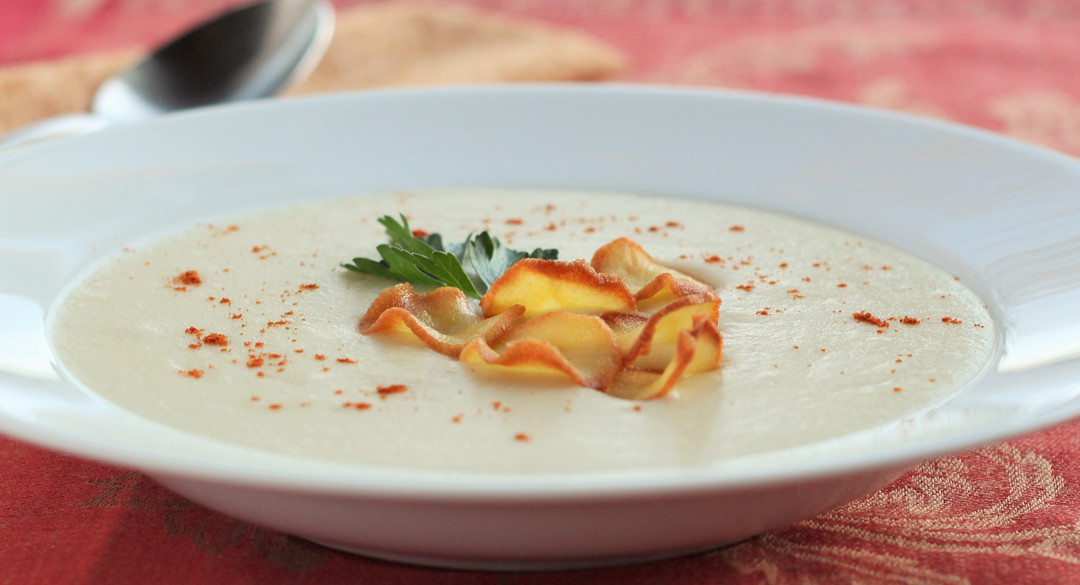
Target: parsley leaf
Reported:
[(489, 260), (470, 266)]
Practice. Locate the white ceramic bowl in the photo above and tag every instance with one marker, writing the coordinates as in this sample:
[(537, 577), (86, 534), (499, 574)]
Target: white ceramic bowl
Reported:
[(1003, 215)]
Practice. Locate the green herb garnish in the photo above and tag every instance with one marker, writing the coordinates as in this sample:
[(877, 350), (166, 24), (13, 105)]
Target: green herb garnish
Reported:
[(470, 266)]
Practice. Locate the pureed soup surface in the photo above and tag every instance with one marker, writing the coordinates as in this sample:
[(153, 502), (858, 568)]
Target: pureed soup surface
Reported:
[(246, 331)]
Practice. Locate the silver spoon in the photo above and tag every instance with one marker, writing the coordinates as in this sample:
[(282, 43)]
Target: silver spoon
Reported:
[(249, 52)]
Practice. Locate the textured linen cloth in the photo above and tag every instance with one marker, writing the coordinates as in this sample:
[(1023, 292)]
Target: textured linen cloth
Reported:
[(1003, 514)]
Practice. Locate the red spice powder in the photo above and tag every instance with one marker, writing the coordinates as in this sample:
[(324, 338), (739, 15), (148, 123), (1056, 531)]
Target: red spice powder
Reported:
[(254, 362), (392, 389), (910, 320), (736, 228), (193, 373), (551, 227), (225, 301), (951, 320), (866, 317), (514, 221), (189, 277), (216, 339), (308, 286), (673, 224), (345, 361), (745, 287), (521, 437), (275, 407), (713, 259)]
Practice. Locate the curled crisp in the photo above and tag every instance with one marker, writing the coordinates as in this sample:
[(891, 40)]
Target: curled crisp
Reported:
[(443, 319), (543, 286), (581, 347), (655, 284), (653, 344), (698, 349)]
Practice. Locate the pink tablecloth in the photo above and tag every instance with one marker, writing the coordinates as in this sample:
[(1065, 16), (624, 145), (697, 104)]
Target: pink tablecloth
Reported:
[(1002, 514)]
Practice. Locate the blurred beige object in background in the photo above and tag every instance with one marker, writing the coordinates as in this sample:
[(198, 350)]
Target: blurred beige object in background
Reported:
[(377, 45), (40, 90), (433, 44)]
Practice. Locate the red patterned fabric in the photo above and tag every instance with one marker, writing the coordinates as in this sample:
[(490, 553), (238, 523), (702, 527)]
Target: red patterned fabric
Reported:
[(1007, 514)]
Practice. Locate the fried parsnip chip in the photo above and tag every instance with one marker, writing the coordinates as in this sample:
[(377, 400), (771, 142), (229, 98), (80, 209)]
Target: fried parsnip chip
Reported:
[(580, 346), (697, 350), (443, 319), (652, 345), (623, 323), (542, 286), (655, 285), (572, 321)]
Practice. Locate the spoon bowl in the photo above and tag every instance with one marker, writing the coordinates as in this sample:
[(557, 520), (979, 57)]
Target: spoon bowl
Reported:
[(250, 52)]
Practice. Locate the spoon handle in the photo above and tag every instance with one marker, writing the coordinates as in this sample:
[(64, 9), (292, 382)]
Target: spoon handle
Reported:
[(58, 127)]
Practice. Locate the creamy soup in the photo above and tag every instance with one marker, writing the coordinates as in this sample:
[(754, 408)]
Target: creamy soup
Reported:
[(246, 331)]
